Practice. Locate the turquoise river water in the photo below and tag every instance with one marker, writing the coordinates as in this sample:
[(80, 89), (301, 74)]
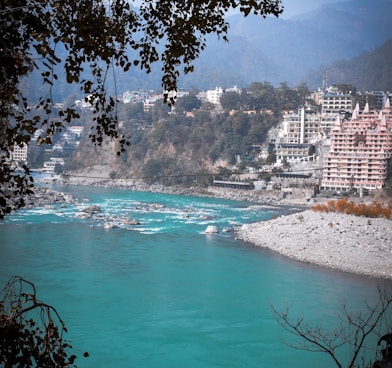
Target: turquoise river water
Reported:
[(164, 294)]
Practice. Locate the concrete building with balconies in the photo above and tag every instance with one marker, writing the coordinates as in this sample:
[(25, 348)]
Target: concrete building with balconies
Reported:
[(300, 131), (214, 95), (294, 153), (360, 153), (19, 153), (336, 102), (301, 126)]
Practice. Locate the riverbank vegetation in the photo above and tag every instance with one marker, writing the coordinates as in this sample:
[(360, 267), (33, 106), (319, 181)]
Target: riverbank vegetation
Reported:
[(343, 205)]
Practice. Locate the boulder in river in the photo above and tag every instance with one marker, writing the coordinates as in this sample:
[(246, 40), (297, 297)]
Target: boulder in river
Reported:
[(92, 209), (211, 229)]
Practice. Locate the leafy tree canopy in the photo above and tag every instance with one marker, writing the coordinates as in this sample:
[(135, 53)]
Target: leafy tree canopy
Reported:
[(261, 96), (188, 103), (97, 36)]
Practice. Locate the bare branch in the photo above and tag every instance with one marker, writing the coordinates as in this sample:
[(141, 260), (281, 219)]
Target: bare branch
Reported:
[(354, 329)]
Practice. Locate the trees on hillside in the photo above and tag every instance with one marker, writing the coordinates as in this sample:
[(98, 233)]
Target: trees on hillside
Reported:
[(264, 96), (188, 103), (95, 37)]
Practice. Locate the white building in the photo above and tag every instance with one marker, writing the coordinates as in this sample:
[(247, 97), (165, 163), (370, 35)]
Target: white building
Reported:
[(302, 126), (327, 122), (19, 153), (234, 89), (76, 129), (300, 134), (50, 165), (214, 95), (149, 103), (334, 101), (128, 97), (294, 153)]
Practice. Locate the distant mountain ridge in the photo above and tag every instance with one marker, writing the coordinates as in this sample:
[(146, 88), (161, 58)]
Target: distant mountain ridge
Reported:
[(279, 50), (272, 49), (369, 71)]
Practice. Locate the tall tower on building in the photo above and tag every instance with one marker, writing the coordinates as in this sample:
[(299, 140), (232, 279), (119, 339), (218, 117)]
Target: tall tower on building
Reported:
[(325, 80)]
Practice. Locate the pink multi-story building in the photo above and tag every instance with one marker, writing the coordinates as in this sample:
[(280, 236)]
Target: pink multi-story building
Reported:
[(360, 153)]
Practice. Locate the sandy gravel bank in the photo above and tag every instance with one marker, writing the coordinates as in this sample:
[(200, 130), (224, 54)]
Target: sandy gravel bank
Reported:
[(349, 243)]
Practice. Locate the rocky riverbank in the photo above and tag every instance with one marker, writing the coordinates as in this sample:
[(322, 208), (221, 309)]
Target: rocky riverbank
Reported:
[(42, 197), (349, 243)]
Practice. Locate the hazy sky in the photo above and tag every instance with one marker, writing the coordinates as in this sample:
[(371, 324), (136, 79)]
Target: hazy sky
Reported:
[(294, 7)]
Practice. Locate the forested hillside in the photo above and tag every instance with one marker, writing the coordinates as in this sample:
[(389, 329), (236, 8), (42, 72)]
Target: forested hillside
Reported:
[(177, 145), (169, 147)]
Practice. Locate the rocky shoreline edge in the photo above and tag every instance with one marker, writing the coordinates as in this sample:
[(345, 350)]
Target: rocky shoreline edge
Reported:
[(358, 245)]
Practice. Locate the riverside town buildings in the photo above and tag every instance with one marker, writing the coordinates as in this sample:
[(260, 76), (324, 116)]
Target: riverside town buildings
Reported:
[(302, 129), (361, 148), (345, 148), (353, 147)]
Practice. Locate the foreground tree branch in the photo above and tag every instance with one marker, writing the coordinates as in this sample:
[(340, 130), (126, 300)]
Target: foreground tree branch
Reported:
[(95, 37), (31, 331), (354, 331)]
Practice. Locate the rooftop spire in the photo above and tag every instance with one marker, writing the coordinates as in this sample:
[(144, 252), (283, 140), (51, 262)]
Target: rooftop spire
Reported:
[(366, 108)]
